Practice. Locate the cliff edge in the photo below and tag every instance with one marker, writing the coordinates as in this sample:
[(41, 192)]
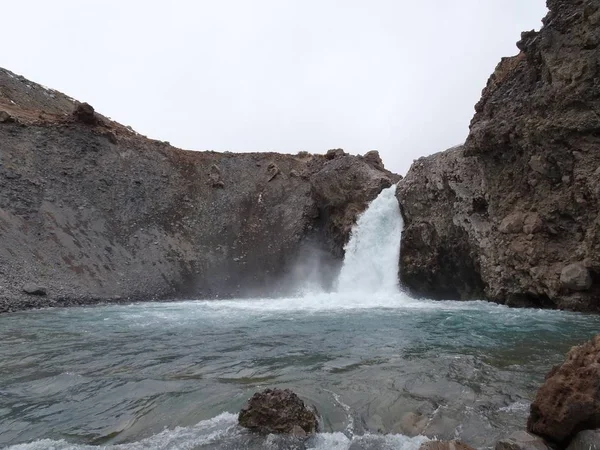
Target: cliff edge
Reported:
[(91, 211), (512, 216)]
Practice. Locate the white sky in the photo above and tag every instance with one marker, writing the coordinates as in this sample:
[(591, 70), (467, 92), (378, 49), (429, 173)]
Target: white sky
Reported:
[(398, 76)]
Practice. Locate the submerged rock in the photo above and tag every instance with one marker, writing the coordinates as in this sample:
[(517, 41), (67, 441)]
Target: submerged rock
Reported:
[(445, 445), (278, 411), (521, 440), (568, 401), (586, 440)]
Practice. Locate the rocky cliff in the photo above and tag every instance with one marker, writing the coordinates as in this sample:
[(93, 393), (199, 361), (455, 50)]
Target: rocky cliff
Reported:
[(92, 211), (513, 214)]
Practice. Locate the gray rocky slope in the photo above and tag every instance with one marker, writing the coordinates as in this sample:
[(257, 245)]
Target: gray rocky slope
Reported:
[(91, 211), (513, 215)]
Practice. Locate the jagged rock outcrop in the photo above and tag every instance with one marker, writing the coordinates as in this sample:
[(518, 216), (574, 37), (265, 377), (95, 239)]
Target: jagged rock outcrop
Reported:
[(568, 401), (278, 411), (93, 211), (513, 215)]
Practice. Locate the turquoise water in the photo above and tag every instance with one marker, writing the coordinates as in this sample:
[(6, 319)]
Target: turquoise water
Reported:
[(383, 370)]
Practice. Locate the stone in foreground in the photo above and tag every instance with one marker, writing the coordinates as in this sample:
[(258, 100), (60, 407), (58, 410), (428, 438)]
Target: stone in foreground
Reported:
[(568, 401), (521, 440), (586, 440), (445, 445), (278, 411)]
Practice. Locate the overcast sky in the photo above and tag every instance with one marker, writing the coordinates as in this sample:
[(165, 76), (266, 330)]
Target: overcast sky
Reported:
[(398, 76)]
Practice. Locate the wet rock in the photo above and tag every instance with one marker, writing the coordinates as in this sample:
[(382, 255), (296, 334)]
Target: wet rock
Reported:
[(568, 401), (278, 411), (344, 188), (34, 289), (586, 440), (576, 277), (521, 440), (84, 113), (445, 445)]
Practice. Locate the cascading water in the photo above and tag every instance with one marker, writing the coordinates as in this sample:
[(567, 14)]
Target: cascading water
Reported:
[(373, 251), (160, 376)]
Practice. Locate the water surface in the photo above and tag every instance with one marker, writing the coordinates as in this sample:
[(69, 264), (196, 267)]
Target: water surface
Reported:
[(379, 368)]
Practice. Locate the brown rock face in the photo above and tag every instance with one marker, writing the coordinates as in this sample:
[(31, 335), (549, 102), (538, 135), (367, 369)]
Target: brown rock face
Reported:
[(101, 213), (502, 216), (569, 400), (278, 411)]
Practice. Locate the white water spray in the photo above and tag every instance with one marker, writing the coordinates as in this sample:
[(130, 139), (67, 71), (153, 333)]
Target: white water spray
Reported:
[(373, 251)]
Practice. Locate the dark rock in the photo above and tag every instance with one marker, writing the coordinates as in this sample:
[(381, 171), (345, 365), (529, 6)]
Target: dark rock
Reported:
[(445, 445), (498, 217), (137, 219), (278, 411), (84, 113), (334, 153), (374, 160), (521, 440), (344, 187), (568, 401), (586, 440), (34, 289)]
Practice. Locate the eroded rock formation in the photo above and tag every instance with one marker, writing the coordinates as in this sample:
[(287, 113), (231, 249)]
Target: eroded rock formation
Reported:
[(513, 215), (278, 411), (93, 211), (568, 401)]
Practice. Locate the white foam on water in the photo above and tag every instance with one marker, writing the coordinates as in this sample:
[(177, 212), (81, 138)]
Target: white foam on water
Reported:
[(223, 429), (181, 438), (372, 254)]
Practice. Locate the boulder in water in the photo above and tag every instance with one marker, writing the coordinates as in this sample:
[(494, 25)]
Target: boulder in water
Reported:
[(445, 445), (522, 440), (586, 440), (278, 411), (568, 401)]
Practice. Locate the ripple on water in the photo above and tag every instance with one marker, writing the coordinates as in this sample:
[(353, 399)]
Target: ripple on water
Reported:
[(161, 375)]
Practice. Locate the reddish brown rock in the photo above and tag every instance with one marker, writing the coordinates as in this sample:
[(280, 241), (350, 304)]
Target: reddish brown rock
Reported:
[(84, 113), (569, 399), (500, 217)]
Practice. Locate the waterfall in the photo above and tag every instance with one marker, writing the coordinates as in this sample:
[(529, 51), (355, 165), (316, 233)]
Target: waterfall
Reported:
[(373, 251)]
